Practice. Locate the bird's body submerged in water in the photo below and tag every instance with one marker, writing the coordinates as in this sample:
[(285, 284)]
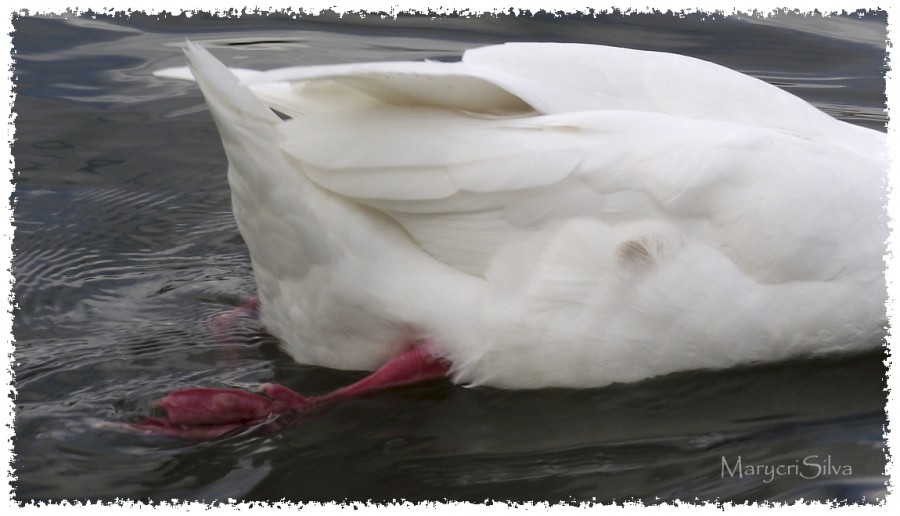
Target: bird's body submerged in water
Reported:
[(550, 214)]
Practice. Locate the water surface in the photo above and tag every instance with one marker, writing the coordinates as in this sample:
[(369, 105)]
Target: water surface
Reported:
[(125, 243)]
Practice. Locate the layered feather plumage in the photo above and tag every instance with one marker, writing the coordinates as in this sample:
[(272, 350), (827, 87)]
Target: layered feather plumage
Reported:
[(551, 214)]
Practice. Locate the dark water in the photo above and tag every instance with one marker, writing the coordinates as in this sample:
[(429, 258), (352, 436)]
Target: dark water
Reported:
[(124, 244)]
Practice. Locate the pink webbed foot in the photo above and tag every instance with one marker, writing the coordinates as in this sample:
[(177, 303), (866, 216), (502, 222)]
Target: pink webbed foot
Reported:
[(228, 325), (235, 328), (206, 413)]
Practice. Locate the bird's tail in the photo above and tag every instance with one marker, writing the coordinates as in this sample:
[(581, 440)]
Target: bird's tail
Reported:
[(222, 89), (248, 128)]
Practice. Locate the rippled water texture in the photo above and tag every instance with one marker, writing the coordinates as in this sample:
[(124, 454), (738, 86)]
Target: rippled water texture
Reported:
[(125, 244)]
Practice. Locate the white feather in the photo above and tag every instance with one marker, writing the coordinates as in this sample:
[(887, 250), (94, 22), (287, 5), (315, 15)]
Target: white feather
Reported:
[(550, 214)]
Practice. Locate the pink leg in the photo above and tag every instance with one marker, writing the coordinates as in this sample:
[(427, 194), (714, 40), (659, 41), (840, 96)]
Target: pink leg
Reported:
[(203, 413), (414, 365)]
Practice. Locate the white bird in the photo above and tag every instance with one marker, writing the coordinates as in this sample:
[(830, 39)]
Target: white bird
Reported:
[(544, 214)]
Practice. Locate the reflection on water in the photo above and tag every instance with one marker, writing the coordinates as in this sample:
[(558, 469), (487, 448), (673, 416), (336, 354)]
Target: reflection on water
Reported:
[(125, 244)]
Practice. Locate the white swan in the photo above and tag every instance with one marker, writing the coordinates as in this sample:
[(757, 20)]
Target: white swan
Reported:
[(551, 214)]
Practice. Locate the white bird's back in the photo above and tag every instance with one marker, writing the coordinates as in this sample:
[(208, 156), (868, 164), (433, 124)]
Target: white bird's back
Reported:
[(552, 214)]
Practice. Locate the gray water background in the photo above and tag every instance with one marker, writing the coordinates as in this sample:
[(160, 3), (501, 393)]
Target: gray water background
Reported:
[(124, 244)]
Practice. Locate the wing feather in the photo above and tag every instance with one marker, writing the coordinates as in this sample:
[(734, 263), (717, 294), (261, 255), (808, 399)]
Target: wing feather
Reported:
[(468, 157)]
